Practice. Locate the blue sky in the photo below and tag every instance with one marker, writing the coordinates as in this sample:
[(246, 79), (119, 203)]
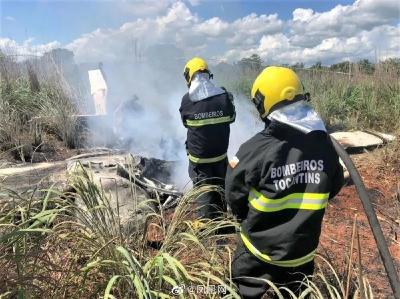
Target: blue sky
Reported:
[(279, 31), (64, 21), (230, 10)]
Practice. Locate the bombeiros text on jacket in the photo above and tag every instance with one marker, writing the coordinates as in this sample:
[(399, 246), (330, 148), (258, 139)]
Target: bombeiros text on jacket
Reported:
[(203, 115)]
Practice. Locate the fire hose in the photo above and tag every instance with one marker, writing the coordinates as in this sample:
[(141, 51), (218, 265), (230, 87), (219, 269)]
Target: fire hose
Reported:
[(372, 219)]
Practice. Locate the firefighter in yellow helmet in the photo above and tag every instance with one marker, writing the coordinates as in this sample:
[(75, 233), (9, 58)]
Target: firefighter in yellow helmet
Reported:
[(207, 112), (278, 186)]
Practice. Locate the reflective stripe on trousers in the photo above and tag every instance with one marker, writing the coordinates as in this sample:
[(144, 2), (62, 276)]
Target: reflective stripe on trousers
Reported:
[(209, 121), (265, 258), (206, 160), (300, 201)]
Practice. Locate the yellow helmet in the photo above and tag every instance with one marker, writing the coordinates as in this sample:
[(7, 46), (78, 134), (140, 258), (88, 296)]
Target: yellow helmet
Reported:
[(194, 65), (275, 85)]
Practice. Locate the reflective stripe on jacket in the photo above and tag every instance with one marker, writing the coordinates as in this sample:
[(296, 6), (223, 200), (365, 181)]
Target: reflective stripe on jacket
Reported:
[(206, 160), (209, 121), (282, 263), (301, 201)]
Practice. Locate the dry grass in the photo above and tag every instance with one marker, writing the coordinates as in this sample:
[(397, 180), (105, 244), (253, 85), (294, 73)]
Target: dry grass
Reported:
[(355, 100), (359, 101), (35, 99)]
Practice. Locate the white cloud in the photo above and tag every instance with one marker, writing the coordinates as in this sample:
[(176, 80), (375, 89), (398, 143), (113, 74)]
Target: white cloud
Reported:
[(134, 37), (143, 8), (309, 28), (11, 47), (381, 41), (212, 27), (363, 29), (247, 31), (148, 8), (194, 2), (10, 19), (178, 26), (177, 16)]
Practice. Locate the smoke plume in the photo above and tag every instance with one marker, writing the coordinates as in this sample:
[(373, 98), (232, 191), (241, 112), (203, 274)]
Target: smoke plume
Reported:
[(143, 112)]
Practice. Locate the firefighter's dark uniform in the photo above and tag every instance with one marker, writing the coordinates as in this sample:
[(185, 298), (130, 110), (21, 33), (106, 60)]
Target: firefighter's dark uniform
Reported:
[(279, 190), (207, 142)]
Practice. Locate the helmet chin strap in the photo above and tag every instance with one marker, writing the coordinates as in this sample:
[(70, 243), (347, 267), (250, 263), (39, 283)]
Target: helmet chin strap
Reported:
[(258, 100)]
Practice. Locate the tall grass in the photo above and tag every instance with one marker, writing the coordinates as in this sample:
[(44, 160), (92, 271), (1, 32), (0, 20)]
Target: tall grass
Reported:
[(345, 101), (32, 101), (356, 101), (73, 245)]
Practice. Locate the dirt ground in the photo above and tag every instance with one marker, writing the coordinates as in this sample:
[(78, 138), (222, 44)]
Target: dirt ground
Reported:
[(383, 184), (50, 150)]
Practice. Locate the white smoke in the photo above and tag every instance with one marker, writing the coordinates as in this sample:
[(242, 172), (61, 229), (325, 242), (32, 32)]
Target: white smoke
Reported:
[(148, 121), (247, 124)]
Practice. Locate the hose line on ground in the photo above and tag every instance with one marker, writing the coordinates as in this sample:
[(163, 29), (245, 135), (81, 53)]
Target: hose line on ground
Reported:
[(372, 219)]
